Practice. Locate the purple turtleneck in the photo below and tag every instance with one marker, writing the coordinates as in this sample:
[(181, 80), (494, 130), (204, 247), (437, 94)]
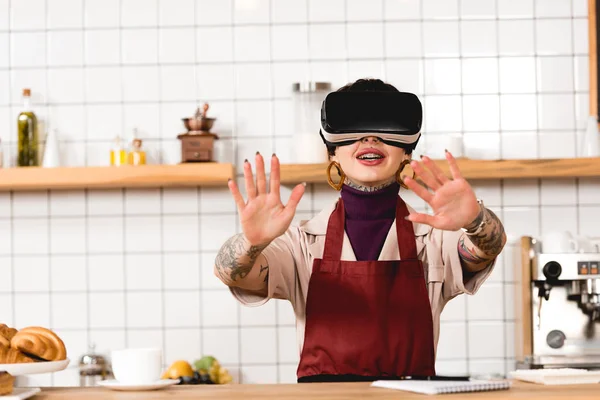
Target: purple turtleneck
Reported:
[(369, 217)]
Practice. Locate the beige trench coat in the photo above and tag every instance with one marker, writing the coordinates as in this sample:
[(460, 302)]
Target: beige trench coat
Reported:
[(291, 256)]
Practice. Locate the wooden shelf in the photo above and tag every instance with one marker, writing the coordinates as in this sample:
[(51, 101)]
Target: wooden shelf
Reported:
[(216, 174), (144, 176), (473, 169)]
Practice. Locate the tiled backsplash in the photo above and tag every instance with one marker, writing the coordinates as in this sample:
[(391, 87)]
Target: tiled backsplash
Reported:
[(134, 267)]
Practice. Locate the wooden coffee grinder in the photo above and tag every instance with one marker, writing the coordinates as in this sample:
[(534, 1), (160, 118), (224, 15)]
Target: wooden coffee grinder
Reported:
[(197, 144)]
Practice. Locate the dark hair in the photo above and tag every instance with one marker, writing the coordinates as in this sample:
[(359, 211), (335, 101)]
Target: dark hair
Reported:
[(367, 85)]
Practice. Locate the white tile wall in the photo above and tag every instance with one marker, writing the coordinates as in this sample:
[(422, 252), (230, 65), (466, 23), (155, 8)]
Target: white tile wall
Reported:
[(135, 267)]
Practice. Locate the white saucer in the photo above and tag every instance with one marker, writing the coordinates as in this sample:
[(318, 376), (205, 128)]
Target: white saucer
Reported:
[(21, 394), (116, 385), (40, 367)]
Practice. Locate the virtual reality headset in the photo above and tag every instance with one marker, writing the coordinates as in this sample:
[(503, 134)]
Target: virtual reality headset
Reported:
[(393, 117)]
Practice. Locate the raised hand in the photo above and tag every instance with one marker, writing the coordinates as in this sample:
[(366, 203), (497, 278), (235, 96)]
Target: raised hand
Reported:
[(453, 201), (263, 216)]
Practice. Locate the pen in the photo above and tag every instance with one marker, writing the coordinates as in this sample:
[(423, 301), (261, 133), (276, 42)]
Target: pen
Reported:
[(435, 378)]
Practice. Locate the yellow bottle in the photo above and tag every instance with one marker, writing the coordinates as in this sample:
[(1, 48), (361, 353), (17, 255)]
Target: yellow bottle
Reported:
[(137, 156), (118, 155)]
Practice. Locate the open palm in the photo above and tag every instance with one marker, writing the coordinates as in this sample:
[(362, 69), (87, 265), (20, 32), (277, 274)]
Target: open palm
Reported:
[(453, 201), (263, 216)]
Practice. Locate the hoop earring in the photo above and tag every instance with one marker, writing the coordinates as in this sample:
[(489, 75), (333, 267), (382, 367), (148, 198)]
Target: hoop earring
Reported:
[(403, 165), (336, 186)]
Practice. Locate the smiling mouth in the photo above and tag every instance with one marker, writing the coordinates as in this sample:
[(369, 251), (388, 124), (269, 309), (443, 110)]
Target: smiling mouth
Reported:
[(370, 156)]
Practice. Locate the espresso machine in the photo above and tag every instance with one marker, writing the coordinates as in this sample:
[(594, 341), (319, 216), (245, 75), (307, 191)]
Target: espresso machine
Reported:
[(558, 309)]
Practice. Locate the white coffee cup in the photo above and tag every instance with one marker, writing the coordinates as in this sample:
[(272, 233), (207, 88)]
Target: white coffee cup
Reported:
[(588, 244), (137, 366), (559, 242)]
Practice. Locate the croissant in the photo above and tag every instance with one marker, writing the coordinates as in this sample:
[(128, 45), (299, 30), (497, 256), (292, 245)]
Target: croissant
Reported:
[(39, 342), (6, 334), (9, 355), (6, 383)]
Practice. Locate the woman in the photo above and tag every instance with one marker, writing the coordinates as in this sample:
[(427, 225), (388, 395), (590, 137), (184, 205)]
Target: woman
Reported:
[(367, 277)]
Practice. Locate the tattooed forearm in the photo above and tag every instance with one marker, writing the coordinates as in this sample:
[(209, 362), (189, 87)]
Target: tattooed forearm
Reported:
[(473, 225), (236, 258), (479, 248), (467, 254), (264, 268)]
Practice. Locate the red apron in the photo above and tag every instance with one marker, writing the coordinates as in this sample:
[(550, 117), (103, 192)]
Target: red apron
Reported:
[(367, 320)]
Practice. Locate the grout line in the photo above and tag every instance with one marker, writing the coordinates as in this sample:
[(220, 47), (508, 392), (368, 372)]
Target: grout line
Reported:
[(87, 268), (159, 68), (12, 264), (223, 214), (498, 81), (6, 161), (578, 145), (535, 81), (200, 277), (273, 149), (226, 101), (346, 59), (384, 25), (187, 327), (285, 61), (85, 191), (124, 291), (462, 125), (287, 23), (235, 158), (163, 295), (199, 195)]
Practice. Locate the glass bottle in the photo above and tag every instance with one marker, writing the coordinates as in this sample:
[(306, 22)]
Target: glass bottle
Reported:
[(27, 130), (137, 156), (118, 155)]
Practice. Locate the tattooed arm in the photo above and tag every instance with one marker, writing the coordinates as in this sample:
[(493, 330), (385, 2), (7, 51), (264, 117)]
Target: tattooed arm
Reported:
[(240, 264), (477, 248)]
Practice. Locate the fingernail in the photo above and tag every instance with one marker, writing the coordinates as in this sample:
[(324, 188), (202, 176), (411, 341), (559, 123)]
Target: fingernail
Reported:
[(304, 184), (446, 150), (406, 218), (274, 155), (421, 156), (257, 153), (228, 180), (245, 161)]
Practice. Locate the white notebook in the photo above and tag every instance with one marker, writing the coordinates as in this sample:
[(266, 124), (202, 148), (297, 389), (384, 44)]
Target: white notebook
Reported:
[(557, 376), (441, 387)]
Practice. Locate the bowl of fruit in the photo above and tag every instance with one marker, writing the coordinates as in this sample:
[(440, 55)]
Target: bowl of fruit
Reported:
[(206, 370)]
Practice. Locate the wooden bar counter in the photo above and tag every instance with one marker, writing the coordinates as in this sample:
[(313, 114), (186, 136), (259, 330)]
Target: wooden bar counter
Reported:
[(519, 390)]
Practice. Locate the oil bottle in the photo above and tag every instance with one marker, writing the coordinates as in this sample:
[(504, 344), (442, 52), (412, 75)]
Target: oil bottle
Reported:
[(27, 130), (137, 156), (118, 154)]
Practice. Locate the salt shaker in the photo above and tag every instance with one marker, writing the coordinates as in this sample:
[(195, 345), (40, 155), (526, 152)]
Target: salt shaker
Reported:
[(93, 368)]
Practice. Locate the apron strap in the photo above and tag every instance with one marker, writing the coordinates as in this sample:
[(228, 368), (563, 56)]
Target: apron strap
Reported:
[(334, 238), (407, 244)]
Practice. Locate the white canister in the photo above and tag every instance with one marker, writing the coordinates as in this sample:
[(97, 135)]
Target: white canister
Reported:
[(591, 142), (307, 98), (309, 148), (51, 151), (454, 144)]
